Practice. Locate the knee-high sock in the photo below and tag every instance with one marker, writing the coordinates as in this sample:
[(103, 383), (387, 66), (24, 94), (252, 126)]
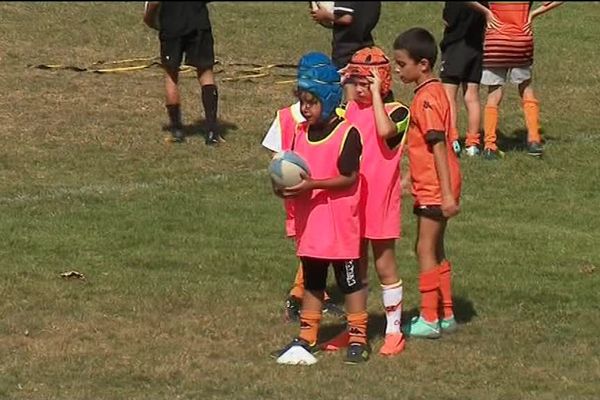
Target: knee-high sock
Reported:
[(210, 102), (531, 109), (309, 325), (429, 283), (445, 271), (392, 301), (490, 123), (357, 327)]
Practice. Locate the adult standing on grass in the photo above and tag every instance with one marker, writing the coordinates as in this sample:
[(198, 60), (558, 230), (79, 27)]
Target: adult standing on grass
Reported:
[(352, 24), (508, 55), (184, 28)]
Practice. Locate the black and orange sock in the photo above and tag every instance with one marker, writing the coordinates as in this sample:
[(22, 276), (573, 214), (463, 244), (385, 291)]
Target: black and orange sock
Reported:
[(309, 325), (429, 283), (357, 327)]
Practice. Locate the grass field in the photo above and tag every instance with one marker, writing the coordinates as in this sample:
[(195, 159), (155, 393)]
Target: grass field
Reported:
[(182, 246)]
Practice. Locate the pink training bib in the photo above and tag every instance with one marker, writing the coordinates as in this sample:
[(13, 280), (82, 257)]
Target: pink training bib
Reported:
[(327, 221), (380, 168)]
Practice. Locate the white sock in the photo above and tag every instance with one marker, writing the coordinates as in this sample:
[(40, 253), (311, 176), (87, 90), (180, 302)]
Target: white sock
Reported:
[(392, 301)]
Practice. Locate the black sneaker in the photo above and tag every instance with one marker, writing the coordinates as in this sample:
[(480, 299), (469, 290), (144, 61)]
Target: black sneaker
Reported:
[(177, 135), (333, 309), (213, 138), (535, 149), (292, 309), (312, 349), (357, 353), (490, 154)]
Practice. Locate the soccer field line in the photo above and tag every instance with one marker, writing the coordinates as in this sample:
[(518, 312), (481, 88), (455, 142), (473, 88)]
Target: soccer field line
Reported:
[(108, 189)]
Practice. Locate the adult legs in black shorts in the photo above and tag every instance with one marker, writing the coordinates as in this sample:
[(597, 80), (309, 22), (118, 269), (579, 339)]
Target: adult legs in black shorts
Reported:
[(198, 48)]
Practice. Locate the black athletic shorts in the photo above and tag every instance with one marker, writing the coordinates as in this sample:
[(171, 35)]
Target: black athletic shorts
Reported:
[(198, 47), (432, 212), (461, 64), (346, 273)]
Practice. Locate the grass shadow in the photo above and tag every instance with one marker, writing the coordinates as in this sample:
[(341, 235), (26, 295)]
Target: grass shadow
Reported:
[(200, 127), (464, 312)]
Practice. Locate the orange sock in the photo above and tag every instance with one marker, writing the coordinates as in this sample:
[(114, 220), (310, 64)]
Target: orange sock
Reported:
[(445, 271), (490, 123), (453, 135), (531, 109), (298, 288), (357, 327), (472, 139), (429, 283), (309, 325)]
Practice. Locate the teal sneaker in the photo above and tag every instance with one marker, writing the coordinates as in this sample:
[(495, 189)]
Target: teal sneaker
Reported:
[(448, 325), (419, 328), (456, 147)]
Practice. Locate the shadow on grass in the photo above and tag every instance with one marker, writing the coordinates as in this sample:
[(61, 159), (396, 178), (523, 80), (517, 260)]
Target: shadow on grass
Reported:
[(200, 127), (464, 312), (515, 142)]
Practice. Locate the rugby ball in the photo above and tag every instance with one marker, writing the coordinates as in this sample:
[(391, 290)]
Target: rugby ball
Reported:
[(326, 5), (285, 168)]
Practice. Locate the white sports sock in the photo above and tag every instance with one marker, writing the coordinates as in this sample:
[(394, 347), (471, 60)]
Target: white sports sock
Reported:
[(392, 301)]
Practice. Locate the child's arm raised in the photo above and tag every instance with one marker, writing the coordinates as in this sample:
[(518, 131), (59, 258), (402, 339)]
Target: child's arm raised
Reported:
[(385, 126)]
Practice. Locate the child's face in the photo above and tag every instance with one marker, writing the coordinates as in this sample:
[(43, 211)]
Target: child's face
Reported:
[(362, 90), (310, 107), (407, 69)]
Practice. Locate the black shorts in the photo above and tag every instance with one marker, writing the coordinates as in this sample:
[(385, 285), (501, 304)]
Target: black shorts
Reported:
[(198, 47), (461, 64), (432, 212), (346, 273)]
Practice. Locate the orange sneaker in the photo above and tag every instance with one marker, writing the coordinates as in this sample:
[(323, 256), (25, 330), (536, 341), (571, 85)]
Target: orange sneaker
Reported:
[(393, 344), (340, 341)]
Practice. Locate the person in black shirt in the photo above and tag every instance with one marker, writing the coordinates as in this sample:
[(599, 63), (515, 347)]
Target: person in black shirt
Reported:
[(462, 63), (353, 23), (184, 28)]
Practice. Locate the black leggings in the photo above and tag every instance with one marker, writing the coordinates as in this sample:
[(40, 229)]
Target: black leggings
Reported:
[(346, 274)]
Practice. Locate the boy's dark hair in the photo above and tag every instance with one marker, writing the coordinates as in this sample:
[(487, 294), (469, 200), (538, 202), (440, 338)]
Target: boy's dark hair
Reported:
[(419, 44)]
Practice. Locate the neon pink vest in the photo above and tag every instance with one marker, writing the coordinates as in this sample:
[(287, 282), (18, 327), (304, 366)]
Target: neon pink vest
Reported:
[(327, 222), (380, 168), (287, 126)]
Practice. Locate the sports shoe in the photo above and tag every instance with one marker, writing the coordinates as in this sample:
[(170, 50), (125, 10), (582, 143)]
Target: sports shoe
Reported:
[(448, 325), (213, 138), (297, 352), (393, 344), (492, 154), (292, 309), (535, 149), (419, 328), (177, 135), (456, 147), (357, 353), (340, 341), (472, 151), (333, 309)]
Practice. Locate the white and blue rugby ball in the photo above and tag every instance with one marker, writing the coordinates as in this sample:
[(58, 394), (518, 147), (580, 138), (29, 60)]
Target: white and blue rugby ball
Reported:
[(285, 168)]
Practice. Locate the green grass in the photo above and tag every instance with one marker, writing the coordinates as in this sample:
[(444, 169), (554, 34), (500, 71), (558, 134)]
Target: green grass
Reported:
[(182, 246)]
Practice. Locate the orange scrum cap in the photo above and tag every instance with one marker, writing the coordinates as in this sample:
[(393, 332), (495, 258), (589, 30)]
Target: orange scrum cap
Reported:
[(364, 60)]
